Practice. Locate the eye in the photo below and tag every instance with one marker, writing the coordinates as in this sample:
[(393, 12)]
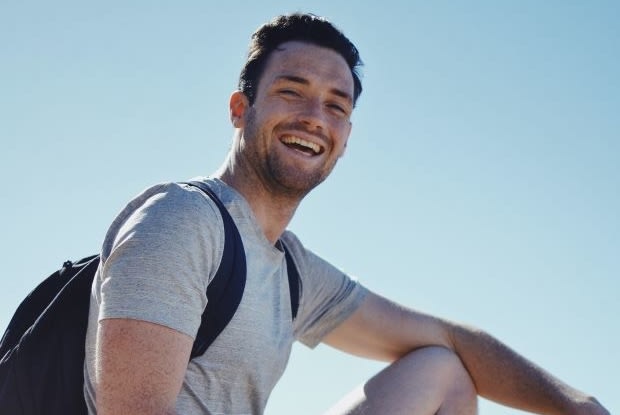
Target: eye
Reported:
[(289, 92), (338, 109)]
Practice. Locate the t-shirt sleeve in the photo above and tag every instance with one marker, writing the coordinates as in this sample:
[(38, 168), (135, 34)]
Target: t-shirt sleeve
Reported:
[(159, 257), (328, 295)]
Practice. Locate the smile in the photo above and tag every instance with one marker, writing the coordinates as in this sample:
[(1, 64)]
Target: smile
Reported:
[(302, 145)]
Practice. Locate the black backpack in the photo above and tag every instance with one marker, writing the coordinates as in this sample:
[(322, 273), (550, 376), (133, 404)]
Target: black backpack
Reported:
[(42, 350)]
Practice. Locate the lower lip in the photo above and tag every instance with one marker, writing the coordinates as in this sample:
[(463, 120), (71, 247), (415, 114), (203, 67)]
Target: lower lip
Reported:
[(298, 151)]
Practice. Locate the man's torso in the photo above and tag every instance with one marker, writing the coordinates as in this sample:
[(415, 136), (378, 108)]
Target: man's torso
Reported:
[(159, 256)]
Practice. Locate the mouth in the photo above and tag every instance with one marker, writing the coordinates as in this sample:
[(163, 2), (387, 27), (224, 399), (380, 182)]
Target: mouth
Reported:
[(307, 147)]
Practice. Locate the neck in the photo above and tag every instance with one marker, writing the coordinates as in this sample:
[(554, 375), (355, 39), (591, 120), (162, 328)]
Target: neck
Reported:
[(273, 210)]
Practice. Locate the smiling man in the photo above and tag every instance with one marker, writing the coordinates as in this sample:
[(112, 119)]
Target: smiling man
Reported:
[(291, 119)]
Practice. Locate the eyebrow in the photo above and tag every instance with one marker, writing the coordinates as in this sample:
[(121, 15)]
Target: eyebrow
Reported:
[(304, 81)]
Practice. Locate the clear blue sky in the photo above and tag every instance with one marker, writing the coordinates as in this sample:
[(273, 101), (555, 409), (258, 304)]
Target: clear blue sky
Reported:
[(482, 180)]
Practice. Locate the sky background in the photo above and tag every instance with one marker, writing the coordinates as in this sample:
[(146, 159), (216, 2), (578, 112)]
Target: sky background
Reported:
[(481, 182)]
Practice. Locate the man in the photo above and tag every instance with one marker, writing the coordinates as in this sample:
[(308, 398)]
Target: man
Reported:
[(291, 117)]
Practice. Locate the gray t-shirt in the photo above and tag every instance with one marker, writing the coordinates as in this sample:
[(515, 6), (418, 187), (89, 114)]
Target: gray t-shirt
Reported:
[(158, 258)]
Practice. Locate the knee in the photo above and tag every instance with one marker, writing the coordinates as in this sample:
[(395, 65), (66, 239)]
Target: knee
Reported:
[(427, 380), (440, 360), (451, 378)]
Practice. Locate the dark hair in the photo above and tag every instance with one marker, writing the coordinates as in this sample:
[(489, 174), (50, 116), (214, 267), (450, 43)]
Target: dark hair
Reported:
[(303, 27)]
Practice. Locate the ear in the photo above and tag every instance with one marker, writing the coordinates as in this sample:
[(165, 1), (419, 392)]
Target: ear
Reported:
[(237, 106)]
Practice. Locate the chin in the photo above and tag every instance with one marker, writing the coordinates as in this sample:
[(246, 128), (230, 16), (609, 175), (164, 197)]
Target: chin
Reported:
[(294, 179), (299, 186)]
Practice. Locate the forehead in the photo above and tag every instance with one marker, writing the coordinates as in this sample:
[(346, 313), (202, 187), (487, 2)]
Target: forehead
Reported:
[(320, 66)]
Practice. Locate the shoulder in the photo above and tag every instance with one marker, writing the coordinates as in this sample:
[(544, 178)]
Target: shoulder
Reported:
[(167, 209), (307, 261), (295, 248), (328, 294), (174, 199)]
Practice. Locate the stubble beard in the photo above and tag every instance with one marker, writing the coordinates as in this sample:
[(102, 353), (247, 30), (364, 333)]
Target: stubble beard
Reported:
[(278, 174)]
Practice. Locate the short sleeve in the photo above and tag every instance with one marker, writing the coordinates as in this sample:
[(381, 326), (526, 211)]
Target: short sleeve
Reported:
[(328, 295), (159, 257)]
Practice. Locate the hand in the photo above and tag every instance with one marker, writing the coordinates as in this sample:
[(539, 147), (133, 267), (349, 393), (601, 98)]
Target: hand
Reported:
[(590, 406)]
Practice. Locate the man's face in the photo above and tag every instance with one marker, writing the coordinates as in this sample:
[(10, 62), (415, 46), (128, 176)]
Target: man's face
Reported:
[(299, 123)]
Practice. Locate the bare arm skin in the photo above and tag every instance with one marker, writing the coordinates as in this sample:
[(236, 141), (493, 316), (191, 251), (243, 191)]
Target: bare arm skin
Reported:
[(140, 367), (383, 330)]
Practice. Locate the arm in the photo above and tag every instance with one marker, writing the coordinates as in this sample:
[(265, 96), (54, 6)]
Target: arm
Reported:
[(140, 367), (383, 330)]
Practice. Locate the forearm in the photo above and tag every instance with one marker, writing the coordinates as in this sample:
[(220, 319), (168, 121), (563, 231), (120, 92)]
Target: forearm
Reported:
[(383, 330), (503, 376)]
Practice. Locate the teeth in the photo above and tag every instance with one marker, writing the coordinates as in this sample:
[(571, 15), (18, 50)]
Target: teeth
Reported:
[(296, 140)]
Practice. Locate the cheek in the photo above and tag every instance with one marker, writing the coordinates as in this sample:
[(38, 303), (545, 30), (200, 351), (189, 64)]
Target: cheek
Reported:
[(343, 137), (342, 149), (256, 123), (265, 120)]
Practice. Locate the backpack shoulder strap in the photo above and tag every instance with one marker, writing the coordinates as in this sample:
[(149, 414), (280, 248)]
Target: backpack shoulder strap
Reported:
[(294, 281), (225, 291)]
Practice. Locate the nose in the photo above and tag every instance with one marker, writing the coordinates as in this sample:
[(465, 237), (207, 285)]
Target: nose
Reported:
[(312, 115)]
